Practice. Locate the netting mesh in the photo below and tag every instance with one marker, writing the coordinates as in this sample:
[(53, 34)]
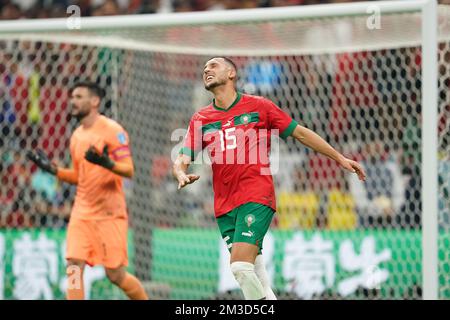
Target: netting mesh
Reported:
[(333, 237)]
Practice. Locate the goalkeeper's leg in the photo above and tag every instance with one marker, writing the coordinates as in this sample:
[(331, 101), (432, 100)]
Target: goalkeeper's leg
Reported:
[(76, 257), (75, 286), (111, 250), (130, 285)]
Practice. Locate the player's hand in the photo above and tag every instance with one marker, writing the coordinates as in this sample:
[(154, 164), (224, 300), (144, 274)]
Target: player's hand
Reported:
[(185, 179), (102, 160), (354, 167), (41, 160)]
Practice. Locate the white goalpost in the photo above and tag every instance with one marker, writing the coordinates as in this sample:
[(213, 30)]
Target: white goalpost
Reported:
[(429, 151), (368, 76)]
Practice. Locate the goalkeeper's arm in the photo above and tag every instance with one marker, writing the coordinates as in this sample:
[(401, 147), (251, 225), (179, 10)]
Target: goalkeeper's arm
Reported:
[(123, 167), (67, 175), (179, 171), (43, 162)]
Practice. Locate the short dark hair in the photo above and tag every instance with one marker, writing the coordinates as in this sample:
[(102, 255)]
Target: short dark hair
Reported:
[(93, 88), (229, 61)]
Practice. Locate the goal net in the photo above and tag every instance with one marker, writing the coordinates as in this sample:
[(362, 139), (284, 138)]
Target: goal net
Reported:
[(354, 77)]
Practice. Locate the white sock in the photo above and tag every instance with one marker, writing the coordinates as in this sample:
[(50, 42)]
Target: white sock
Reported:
[(244, 273), (262, 275)]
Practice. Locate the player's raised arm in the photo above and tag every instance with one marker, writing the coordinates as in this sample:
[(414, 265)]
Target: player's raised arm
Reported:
[(179, 171), (278, 119), (67, 175), (312, 140), (123, 165), (43, 162)]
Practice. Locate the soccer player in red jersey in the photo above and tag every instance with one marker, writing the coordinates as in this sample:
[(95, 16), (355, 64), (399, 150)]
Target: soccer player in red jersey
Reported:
[(236, 131)]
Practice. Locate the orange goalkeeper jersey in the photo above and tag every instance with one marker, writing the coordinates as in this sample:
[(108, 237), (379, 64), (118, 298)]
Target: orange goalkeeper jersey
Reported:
[(99, 191)]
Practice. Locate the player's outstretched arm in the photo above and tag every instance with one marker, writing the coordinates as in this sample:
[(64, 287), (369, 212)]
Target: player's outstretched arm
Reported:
[(67, 175), (312, 140), (123, 167), (43, 162), (179, 171)]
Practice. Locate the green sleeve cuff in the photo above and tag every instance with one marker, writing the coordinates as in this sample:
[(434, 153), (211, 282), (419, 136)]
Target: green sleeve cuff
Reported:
[(288, 131), (187, 151)]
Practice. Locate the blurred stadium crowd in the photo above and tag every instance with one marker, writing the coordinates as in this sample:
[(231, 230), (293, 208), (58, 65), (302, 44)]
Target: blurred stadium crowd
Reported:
[(313, 192), (16, 9), (35, 9), (33, 104)]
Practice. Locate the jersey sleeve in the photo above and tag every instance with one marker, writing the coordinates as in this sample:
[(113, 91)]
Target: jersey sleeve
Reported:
[(118, 143), (280, 120), (193, 140)]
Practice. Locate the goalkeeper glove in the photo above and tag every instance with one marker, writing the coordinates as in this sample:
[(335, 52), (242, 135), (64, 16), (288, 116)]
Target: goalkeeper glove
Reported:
[(42, 161), (103, 159)]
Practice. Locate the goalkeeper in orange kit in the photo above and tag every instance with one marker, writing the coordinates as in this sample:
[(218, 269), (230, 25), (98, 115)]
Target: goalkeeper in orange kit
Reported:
[(97, 231)]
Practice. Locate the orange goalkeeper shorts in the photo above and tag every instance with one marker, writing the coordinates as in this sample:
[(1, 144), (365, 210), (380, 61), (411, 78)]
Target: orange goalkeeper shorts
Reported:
[(98, 242)]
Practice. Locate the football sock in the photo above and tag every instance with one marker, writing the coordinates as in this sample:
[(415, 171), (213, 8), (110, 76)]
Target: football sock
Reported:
[(262, 275), (244, 273)]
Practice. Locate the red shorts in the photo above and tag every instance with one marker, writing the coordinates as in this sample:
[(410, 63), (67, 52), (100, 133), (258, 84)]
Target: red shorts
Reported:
[(98, 242)]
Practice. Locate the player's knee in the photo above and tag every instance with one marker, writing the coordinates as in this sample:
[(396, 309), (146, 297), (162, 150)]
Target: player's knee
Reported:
[(74, 272), (244, 273), (74, 263), (116, 276), (242, 270)]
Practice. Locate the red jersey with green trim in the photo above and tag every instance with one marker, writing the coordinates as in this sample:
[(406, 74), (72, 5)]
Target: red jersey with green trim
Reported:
[(238, 141)]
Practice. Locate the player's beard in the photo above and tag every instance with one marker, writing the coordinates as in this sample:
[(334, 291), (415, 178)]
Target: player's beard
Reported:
[(215, 84), (81, 114)]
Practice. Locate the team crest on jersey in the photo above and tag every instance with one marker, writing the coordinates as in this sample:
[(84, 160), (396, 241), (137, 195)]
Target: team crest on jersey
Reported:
[(250, 219), (245, 118), (122, 138)]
